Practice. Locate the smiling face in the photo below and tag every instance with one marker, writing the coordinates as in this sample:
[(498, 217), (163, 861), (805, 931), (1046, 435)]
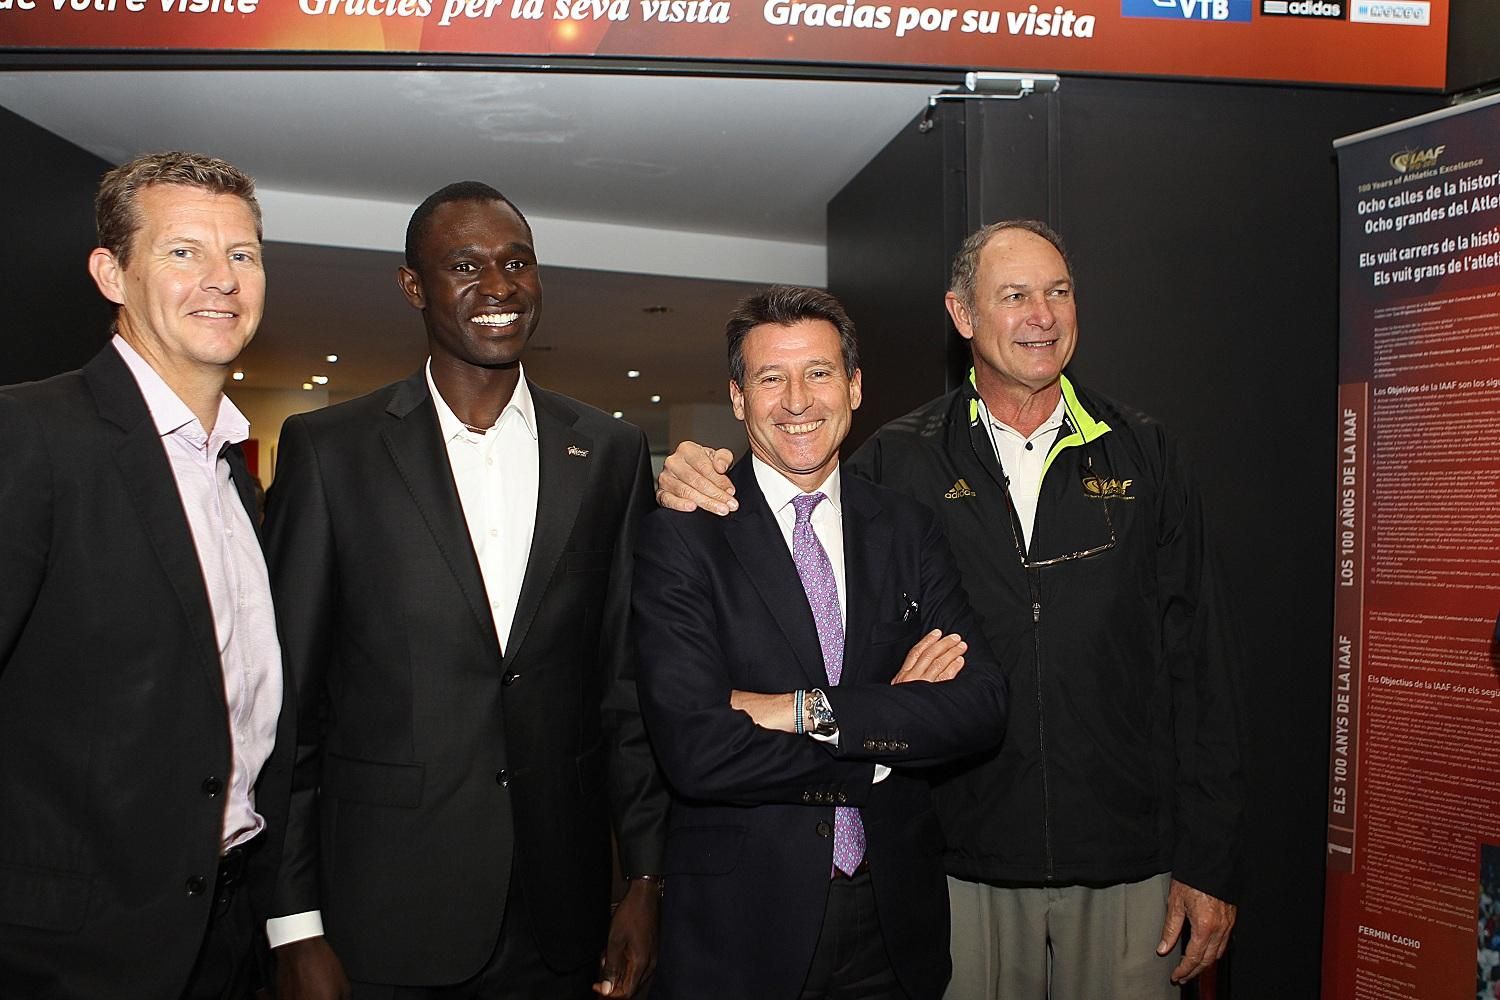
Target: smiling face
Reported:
[(193, 292), (796, 401), (1021, 326), (477, 284)]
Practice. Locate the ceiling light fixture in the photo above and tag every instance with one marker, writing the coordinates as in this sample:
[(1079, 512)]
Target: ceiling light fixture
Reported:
[(320, 380), (619, 414), (332, 359), (307, 385), (656, 399), (238, 376), (633, 373)]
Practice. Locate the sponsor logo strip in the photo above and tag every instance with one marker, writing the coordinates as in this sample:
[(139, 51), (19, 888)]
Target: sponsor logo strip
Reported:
[(1319, 9), (1413, 12), (1188, 10)]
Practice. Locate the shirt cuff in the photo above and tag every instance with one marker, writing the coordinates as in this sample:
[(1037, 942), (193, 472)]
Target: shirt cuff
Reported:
[(831, 738), (295, 927)]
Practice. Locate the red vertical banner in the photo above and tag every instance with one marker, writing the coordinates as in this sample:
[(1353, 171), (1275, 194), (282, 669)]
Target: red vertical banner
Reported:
[(1414, 761)]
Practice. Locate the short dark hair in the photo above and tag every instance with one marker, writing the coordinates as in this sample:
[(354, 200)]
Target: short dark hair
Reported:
[(966, 261), (117, 213), (785, 305), (421, 219)]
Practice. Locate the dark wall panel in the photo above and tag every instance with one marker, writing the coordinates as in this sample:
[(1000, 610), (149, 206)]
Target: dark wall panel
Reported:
[(890, 234), (51, 315), (1203, 224), (1473, 44)]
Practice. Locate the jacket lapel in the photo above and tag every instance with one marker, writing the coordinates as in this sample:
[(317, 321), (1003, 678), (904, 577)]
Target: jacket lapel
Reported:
[(562, 478), (755, 537), (244, 485), (867, 551), (421, 458), (147, 475)]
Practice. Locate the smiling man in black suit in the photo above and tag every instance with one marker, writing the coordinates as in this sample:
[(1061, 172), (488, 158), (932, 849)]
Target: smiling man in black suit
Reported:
[(801, 661), (452, 558)]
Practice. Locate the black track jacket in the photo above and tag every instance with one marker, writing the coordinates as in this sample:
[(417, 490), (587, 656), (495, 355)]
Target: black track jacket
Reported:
[(1123, 755)]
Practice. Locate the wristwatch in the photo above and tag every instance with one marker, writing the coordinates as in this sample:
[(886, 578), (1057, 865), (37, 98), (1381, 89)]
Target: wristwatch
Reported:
[(815, 707)]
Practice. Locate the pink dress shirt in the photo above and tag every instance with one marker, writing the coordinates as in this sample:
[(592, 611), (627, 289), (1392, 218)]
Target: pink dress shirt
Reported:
[(234, 574)]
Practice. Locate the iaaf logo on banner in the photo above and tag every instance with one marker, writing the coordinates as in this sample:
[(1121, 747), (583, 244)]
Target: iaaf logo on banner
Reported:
[(1188, 10), (1321, 9), (1416, 159)]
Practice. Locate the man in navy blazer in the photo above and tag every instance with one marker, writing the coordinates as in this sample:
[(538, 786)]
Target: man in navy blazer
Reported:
[(802, 662), (140, 675)]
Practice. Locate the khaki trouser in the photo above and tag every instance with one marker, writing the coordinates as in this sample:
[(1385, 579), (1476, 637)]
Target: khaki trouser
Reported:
[(1066, 943)]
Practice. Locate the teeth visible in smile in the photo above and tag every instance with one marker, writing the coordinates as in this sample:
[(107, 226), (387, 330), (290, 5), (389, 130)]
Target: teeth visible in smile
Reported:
[(214, 314), (496, 319), (1034, 344), (802, 428)]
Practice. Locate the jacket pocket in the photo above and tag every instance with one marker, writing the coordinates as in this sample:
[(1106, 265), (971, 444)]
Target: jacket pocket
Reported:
[(43, 898), (883, 632), (703, 850), (373, 782)]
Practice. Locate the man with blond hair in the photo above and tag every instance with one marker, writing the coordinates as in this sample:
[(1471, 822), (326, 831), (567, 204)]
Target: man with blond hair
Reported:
[(140, 674)]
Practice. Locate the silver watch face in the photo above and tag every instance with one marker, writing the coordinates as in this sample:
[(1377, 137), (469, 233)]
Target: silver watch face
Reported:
[(824, 723)]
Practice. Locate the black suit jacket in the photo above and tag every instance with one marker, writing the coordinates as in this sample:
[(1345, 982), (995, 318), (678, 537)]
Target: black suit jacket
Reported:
[(719, 606), (112, 718), (426, 762)]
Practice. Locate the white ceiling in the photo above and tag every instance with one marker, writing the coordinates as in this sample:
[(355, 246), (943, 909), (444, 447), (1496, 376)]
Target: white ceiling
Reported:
[(648, 190)]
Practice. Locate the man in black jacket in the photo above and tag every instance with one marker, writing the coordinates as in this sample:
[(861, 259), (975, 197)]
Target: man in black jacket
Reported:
[(1110, 818), (140, 674)]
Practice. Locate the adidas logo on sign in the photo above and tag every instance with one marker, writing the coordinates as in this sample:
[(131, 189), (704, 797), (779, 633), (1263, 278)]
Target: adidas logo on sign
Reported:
[(959, 491)]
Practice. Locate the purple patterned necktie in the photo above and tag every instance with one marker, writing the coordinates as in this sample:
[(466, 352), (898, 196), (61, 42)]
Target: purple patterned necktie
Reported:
[(823, 596)]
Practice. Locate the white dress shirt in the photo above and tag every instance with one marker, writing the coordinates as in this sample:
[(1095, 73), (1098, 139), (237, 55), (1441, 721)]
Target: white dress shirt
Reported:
[(497, 476), (234, 574), (1022, 459)]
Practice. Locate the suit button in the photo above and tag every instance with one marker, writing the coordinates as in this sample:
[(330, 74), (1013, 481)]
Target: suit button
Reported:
[(502, 778), (824, 830), (510, 678), (195, 885), (212, 787)]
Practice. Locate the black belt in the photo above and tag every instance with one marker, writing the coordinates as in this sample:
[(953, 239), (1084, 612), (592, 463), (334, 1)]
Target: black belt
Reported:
[(864, 868), (232, 866)]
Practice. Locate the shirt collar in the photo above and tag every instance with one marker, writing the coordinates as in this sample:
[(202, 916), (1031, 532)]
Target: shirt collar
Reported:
[(779, 491), (451, 426), (169, 413), (1048, 426)]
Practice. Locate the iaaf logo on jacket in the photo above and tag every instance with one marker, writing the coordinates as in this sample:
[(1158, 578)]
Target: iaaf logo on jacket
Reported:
[(1106, 489), (1416, 159)]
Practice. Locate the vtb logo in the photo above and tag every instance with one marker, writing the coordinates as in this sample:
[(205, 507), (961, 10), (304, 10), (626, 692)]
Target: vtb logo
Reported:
[(1188, 10), (1416, 159)]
